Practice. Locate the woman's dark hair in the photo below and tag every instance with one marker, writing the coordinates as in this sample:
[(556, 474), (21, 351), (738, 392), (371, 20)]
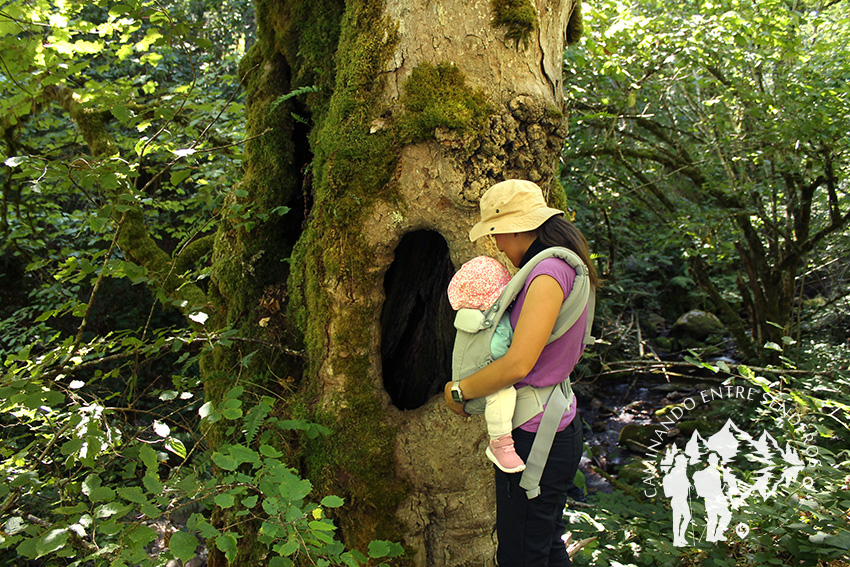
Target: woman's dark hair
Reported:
[(558, 231)]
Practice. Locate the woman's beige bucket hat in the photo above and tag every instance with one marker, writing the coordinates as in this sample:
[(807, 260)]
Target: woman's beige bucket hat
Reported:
[(514, 205)]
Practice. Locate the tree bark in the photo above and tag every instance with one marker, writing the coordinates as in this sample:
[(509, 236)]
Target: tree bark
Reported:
[(409, 470)]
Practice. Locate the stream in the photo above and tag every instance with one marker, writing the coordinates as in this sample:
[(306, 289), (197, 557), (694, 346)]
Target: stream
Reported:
[(607, 406)]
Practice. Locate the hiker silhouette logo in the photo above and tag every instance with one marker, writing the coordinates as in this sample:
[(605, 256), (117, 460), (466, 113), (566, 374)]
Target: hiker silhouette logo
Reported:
[(703, 476)]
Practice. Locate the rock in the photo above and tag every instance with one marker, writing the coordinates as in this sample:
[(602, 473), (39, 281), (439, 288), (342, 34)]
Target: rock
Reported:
[(697, 324), (653, 323), (633, 472), (688, 427), (664, 343), (640, 434), (605, 411), (671, 387)]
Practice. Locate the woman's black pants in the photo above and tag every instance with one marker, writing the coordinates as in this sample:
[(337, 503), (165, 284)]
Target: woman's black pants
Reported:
[(529, 531)]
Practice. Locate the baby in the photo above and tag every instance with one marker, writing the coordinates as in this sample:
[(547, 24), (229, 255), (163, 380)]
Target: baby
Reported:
[(477, 285)]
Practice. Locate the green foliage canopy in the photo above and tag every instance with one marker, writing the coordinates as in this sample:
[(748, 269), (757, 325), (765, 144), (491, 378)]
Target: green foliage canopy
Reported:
[(725, 122)]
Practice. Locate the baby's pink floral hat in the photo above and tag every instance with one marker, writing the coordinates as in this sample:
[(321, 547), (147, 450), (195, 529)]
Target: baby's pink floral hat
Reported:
[(478, 283)]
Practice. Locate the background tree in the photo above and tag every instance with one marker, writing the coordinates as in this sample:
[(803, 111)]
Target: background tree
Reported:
[(725, 122)]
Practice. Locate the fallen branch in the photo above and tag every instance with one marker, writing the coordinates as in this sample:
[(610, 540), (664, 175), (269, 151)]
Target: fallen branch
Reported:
[(656, 364)]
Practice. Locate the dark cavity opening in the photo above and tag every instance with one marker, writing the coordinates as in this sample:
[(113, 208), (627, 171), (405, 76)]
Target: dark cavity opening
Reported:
[(417, 330)]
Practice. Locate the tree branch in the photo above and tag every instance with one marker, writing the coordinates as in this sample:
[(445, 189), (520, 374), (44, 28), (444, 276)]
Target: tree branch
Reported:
[(736, 324), (133, 236)]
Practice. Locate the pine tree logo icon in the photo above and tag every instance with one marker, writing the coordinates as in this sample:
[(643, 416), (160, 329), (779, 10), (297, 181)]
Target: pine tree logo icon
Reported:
[(703, 471)]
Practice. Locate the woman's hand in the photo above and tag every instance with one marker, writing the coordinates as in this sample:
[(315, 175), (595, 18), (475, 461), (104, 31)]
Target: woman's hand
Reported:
[(453, 405)]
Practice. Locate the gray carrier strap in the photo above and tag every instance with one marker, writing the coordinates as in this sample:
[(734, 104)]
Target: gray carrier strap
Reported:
[(573, 306), (552, 415), (530, 401)]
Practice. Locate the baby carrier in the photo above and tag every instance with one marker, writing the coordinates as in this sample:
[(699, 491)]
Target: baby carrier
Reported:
[(471, 352)]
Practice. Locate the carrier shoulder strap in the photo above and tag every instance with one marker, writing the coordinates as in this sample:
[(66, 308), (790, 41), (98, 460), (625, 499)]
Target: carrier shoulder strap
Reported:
[(580, 296), (556, 406), (560, 396)]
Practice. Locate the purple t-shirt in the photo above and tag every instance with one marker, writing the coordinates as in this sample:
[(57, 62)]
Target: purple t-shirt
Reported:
[(559, 357)]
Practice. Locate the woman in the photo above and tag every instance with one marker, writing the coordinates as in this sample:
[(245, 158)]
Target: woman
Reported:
[(515, 213)]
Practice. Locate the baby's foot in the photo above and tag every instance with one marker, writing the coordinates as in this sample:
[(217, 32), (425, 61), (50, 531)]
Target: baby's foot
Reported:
[(502, 453)]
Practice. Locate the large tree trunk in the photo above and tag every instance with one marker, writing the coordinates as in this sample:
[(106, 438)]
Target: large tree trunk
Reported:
[(390, 205)]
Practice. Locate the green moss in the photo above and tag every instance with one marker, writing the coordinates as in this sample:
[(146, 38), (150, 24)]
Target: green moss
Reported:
[(437, 96), (558, 196), (352, 169), (357, 463), (518, 17), (575, 27)]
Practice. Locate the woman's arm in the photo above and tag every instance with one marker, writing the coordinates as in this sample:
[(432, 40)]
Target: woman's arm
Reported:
[(534, 326)]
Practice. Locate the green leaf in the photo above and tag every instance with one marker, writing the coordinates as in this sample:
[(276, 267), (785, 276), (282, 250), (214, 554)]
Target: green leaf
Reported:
[(183, 545), (109, 527), (226, 543), (150, 510), (207, 411), (117, 509), (102, 494), (322, 525), (840, 540), (52, 541), (28, 548), (243, 454), (332, 501), (132, 494), (175, 446), (231, 413), (225, 462), (118, 10), (224, 500), (120, 112), (294, 488), (381, 548), (152, 483), (15, 161), (271, 506), (148, 456), (288, 548), (90, 483), (269, 451), (177, 177)]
